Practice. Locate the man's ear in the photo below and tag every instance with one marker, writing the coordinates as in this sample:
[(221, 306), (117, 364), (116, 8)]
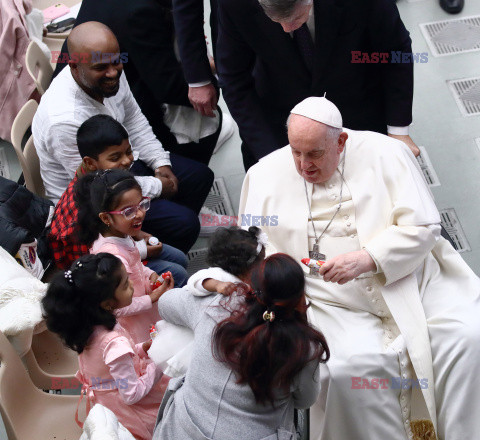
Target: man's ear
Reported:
[(90, 163), (108, 304), (342, 139), (73, 66)]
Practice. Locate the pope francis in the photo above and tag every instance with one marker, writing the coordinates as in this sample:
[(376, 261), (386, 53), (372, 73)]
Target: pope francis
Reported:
[(399, 307)]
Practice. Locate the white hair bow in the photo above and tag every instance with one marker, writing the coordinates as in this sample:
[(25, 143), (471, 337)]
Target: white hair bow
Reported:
[(262, 239)]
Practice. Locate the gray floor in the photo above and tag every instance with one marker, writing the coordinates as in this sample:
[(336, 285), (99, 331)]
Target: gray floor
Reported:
[(439, 126)]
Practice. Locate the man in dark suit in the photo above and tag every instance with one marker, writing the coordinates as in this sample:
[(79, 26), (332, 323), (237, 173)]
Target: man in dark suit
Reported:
[(272, 55), (145, 32), (188, 16)]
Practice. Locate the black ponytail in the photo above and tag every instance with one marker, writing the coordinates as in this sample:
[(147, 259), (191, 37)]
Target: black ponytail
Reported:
[(234, 249), (267, 339), (71, 306)]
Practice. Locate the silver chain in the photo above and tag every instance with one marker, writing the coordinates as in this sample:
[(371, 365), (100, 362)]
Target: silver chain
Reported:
[(317, 239)]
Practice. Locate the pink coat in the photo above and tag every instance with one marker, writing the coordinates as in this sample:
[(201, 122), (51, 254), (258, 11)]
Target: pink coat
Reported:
[(104, 347), (138, 317), (16, 85)]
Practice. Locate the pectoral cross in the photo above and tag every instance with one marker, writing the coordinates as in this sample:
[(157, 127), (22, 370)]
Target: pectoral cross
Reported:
[(315, 254)]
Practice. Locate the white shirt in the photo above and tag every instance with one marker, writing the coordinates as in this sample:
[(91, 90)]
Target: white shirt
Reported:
[(63, 108)]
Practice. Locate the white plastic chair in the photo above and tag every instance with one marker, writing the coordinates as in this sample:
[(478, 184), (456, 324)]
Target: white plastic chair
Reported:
[(50, 364), (39, 67), (27, 156), (27, 412)]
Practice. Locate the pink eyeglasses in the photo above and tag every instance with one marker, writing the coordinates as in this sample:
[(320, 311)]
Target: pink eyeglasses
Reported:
[(130, 212)]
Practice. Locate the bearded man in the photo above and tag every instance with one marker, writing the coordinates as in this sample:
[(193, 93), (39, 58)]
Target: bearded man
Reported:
[(94, 84)]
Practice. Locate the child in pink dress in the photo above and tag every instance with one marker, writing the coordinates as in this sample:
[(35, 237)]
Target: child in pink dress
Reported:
[(112, 209), (113, 370)]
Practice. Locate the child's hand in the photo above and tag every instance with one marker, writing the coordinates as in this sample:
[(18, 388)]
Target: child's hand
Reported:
[(153, 278), (140, 235), (222, 287), (146, 346), (156, 280), (159, 291), (225, 288), (154, 250)]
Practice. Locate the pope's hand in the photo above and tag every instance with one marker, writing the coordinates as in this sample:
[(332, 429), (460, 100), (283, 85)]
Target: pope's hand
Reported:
[(407, 140), (345, 267)]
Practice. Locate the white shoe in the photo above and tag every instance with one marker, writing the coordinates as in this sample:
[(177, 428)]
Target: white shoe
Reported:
[(210, 221), (228, 128)]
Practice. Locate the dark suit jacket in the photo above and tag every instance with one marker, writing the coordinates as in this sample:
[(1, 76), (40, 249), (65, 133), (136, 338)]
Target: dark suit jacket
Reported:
[(188, 16), (263, 75), (144, 29)]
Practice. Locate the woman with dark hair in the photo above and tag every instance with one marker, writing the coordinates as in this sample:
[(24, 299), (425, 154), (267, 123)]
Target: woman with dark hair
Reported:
[(255, 359)]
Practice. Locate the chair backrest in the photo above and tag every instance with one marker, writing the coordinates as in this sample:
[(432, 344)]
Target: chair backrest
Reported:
[(39, 67), (27, 412), (15, 387), (46, 374), (28, 156)]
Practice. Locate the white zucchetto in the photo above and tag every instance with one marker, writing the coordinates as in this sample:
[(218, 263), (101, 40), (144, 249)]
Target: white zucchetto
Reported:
[(319, 109)]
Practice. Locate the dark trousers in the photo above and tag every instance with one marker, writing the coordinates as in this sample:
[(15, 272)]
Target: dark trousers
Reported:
[(248, 157), (175, 221)]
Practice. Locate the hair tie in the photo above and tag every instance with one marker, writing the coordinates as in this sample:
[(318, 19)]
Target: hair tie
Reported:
[(68, 273), (262, 240), (268, 316), (68, 276), (103, 173)]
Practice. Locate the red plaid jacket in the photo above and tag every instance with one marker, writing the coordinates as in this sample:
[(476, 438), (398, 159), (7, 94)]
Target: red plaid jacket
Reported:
[(62, 237)]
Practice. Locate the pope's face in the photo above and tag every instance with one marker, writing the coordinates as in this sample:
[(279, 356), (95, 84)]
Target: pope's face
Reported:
[(316, 154)]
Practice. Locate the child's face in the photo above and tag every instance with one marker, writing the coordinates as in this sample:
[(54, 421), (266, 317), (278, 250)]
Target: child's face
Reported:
[(117, 224), (124, 291), (115, 156)]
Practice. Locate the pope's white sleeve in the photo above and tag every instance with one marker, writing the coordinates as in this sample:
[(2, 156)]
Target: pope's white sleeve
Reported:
[(244, 195), (399, 250)]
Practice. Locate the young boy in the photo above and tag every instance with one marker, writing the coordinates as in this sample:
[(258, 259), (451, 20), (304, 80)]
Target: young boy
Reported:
[(103, 144)]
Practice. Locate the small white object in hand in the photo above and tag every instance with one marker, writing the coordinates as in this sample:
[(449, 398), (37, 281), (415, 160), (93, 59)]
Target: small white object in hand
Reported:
[(153, 241)]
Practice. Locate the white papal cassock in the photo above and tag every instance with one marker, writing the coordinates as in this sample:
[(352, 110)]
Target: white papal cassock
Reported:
[(415, 318)]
